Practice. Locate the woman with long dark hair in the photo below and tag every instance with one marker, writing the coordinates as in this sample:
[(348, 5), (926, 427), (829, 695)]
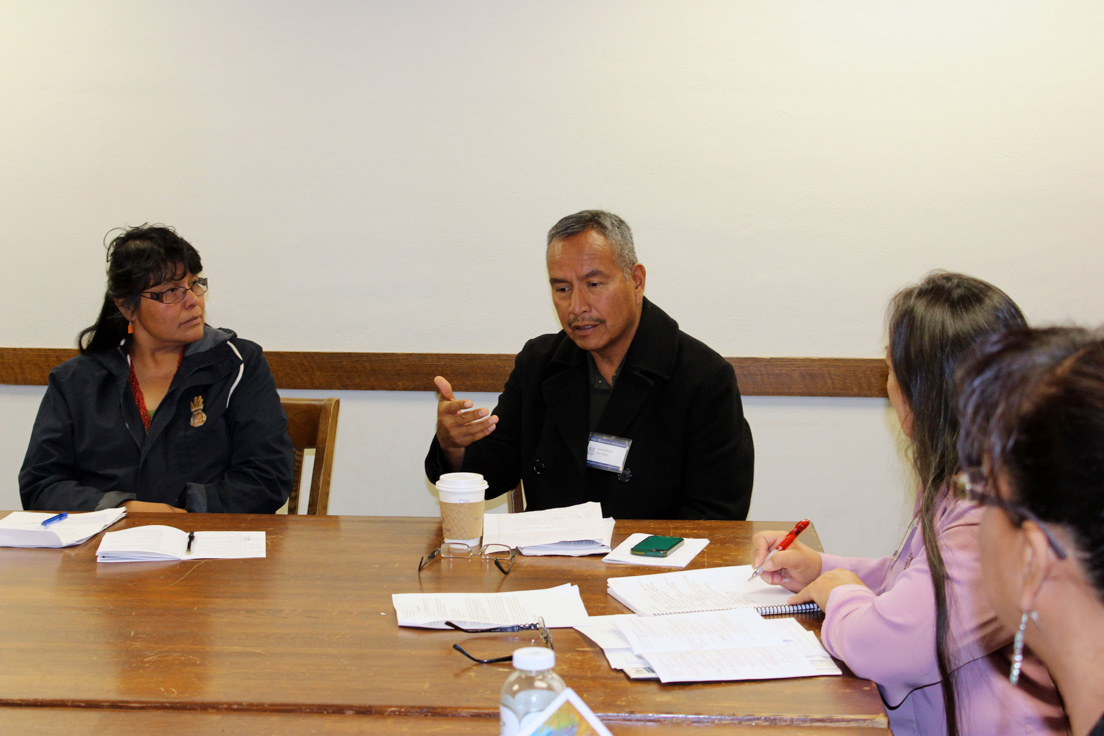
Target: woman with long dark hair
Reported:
[(1031, 403), (912, 622), (159, 412)]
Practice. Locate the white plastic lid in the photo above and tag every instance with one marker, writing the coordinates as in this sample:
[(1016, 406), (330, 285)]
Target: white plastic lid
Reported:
[(534, 659), (461, 481)]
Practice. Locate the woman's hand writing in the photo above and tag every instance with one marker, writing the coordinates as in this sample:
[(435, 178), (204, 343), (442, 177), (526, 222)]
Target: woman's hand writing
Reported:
[(792, 568)]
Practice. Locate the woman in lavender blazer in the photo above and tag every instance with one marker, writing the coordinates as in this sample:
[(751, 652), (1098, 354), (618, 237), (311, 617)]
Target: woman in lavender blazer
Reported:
[(915, 622)]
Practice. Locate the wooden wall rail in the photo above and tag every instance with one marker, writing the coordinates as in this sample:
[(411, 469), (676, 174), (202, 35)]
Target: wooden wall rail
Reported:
[(849, 377)]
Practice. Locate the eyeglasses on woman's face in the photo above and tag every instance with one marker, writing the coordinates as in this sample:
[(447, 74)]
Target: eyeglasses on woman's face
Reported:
[(972, 485), (175, 294)]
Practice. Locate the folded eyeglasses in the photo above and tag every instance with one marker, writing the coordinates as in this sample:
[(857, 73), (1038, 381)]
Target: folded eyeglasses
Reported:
[(537, 626), (500, 554)]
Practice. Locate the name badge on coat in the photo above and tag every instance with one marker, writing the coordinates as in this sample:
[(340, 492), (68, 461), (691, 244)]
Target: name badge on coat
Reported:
[(606, 452)]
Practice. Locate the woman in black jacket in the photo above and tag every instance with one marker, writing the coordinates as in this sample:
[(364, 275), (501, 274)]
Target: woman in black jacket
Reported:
[(159, 412)]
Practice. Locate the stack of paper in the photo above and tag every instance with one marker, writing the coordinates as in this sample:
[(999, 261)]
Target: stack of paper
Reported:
[(709, 647), (708, 589), (156, 543), (573, 531), (24, 528), (606, 633), (560, 607)]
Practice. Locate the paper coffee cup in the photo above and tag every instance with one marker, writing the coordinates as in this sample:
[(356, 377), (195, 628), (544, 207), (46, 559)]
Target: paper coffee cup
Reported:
[(462, 497)]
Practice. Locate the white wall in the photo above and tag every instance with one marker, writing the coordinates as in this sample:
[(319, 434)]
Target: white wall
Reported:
[(378, 176)]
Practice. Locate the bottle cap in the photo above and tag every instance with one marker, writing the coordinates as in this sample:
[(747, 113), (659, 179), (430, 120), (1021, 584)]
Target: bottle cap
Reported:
[(534, 659)]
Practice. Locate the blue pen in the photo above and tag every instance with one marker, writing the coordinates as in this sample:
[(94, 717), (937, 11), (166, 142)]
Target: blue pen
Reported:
[(54, 519)]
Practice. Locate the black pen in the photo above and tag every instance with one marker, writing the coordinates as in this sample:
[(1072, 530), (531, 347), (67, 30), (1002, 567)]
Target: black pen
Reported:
[(191, 538)]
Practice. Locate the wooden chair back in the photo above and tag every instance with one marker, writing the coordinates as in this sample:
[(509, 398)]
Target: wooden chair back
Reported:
[(312, 425), (515, 500)]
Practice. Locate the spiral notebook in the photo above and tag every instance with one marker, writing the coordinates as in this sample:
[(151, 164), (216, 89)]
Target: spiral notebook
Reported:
[(707, 589), (787, 609)]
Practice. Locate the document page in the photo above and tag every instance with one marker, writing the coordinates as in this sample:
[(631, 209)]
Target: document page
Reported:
[(543, 529), (150, 542), (740, 645), (228, 545), (154, 542), (807, 643), (708, 589), (24, 528), (560, 607), (751, 663), (681, 557), (604, 631), (696, 631), (724, 645), (634, 667), (597, 542)]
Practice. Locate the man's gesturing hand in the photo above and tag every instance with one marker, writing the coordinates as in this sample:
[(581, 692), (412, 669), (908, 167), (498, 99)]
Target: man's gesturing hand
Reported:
[(458, 425)]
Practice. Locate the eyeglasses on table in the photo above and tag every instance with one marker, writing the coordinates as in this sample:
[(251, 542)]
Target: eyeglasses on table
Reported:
[(500, 554), (537, 626)]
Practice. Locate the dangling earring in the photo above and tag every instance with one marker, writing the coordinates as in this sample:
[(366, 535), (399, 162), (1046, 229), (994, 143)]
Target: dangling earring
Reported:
[(130, 328), (1018, 647)]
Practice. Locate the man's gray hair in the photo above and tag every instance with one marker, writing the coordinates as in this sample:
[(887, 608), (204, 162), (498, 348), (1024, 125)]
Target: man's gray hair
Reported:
[(610, 226)]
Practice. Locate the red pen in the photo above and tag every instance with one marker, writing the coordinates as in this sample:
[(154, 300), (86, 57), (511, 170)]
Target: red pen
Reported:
[(784, 544)]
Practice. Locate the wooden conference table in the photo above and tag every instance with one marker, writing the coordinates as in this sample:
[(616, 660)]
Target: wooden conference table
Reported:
[(305, 640)]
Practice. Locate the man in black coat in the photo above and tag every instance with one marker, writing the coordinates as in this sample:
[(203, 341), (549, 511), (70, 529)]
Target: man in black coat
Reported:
[(619, 407)]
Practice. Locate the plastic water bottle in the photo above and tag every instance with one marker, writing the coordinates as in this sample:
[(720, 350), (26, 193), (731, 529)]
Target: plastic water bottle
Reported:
[(529, 689)]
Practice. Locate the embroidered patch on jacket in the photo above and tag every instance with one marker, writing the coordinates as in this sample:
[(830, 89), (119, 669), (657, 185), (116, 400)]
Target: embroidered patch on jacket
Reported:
[(198, 417)]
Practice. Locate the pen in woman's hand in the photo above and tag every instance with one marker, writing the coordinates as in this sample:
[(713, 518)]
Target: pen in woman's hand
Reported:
[(784, 544)]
